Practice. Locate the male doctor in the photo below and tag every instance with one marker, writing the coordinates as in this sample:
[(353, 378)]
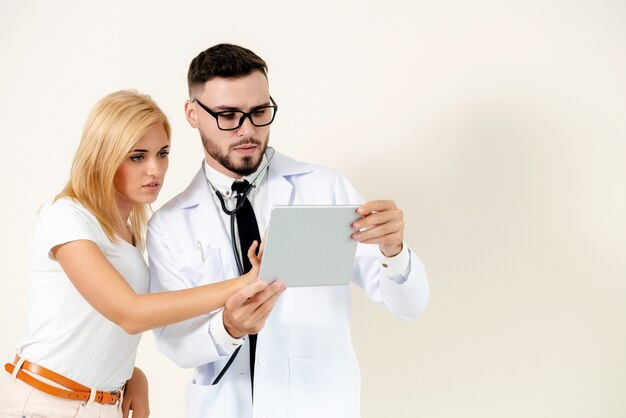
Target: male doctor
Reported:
[(302, 363)]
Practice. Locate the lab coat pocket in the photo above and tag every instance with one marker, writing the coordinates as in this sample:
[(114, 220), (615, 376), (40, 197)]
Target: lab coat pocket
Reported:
[(322, 388), (201, 265), (206, 401)]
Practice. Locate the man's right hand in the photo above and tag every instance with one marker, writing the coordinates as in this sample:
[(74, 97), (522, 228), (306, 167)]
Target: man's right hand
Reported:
[(247, 310)]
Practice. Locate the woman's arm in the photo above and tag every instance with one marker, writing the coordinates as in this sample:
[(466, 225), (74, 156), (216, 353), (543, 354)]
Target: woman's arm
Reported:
[(136, 396), (107, 291)]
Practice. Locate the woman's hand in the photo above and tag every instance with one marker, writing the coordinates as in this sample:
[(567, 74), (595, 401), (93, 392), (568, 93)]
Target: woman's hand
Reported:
[(136, 396), (255, 260)]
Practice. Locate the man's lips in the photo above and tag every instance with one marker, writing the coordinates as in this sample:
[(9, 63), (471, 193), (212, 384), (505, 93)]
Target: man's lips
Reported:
[(246, 149)]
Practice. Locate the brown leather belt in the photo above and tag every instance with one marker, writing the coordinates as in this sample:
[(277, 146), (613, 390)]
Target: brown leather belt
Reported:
[(78, 392)]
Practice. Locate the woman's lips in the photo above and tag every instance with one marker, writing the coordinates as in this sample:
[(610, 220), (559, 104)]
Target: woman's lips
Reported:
[(153, 185)]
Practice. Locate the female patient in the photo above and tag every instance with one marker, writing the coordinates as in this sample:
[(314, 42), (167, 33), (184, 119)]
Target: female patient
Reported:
[(89, 279)]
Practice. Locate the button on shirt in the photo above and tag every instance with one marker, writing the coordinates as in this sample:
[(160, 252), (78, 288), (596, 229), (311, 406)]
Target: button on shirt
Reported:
[(395, 268)]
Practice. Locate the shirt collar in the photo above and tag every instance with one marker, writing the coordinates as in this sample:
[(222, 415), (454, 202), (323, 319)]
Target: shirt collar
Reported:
[(223, 183)]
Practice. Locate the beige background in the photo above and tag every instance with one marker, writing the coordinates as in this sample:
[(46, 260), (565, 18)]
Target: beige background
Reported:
[(498, 126)]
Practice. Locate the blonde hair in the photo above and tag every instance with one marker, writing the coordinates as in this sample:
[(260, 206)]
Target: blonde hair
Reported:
[(114, 125)]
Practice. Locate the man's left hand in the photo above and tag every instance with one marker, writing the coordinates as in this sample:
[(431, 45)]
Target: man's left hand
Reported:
[(381, 223)]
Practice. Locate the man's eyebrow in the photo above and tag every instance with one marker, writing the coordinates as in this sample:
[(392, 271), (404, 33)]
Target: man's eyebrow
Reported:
[(268, 103), (233, 108), (219, 108)]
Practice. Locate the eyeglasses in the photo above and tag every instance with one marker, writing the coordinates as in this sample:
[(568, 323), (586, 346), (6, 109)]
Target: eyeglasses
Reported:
[(229, 120)]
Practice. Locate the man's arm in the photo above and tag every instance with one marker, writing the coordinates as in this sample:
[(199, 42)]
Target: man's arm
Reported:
[(385, 267), (406, 295)]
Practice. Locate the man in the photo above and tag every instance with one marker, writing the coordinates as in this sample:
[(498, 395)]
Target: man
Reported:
[(303, 361)]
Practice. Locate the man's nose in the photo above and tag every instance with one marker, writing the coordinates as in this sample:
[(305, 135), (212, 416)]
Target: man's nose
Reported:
[(247, 129)]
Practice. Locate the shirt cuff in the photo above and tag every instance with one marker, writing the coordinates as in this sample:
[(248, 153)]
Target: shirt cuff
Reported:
[(397, 268), (221, 337)]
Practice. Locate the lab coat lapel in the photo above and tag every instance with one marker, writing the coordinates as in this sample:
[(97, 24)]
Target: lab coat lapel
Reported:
[(206, 217), (279, 179), (280, 189)]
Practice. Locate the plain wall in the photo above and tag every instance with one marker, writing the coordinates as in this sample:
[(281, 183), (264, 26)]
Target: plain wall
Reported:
[(499, 127)]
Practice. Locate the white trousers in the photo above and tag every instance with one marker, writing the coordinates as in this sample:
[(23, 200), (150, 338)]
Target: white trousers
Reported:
[(20, 400)]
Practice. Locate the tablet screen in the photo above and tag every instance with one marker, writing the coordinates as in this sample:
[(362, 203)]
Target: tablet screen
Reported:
[(310, 245)]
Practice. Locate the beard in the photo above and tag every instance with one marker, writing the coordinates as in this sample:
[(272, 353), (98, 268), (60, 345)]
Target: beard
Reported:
[(247, 166)]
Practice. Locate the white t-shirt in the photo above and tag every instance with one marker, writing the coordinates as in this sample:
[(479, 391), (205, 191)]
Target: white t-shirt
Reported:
[(65, 333)]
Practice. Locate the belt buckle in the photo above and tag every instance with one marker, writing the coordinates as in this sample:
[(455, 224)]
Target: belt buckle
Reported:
[(116, 396)]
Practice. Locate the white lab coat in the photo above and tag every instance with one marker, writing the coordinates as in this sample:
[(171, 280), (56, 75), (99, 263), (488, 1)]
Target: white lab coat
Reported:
[(305, 362)]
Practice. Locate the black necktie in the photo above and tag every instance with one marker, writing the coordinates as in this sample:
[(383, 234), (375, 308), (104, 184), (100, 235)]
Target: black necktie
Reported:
[(248, 232), (246, 224)]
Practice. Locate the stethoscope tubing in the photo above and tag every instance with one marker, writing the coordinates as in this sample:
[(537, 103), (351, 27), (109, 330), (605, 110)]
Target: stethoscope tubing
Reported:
[(240, 200)]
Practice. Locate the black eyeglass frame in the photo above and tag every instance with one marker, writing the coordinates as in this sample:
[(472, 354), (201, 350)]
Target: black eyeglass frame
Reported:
[(243, 116)]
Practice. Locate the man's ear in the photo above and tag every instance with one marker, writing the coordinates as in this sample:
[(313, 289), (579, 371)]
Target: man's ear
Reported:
[(191, 114)]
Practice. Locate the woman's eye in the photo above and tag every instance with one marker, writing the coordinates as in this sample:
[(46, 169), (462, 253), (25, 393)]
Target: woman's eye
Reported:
[(163, 154), (136, 157)]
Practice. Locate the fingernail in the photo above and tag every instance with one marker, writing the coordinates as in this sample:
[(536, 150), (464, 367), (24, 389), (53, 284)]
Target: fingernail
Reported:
[(357, 225)]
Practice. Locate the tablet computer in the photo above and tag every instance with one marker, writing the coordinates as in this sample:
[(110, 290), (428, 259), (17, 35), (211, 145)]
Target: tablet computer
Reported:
[(310, 245)]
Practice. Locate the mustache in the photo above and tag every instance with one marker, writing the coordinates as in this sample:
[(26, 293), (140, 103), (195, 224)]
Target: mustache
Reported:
[(250, 141)]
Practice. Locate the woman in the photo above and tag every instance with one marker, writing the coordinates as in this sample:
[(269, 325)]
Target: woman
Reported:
[(89, 278)]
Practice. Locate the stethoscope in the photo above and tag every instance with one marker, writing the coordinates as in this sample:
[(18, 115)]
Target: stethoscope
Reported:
[(240, 201)]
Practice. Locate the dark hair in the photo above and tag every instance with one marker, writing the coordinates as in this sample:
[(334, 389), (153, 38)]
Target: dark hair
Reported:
[(223, 60)]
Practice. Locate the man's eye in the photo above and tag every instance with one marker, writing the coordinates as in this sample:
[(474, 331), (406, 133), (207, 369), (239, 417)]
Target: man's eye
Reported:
[(228, 116), (260, 111)]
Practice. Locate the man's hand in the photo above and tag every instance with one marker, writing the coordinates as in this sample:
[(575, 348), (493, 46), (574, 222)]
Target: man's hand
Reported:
[(247, 310), (381, 223), (136, 396)]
